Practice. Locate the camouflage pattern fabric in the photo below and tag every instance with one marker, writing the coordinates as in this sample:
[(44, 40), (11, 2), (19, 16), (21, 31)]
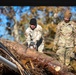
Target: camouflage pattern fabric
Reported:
[(65, 39)]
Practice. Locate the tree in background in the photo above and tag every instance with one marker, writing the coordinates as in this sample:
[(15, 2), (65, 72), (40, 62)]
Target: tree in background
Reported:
[(48, 17)]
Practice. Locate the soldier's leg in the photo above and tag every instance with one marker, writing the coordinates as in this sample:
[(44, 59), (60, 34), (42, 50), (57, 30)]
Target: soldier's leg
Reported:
[(60, 53), (41, 48), (69, 54)]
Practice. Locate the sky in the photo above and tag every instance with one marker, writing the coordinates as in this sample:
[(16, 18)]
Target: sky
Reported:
[(24, 10), (3, 32)]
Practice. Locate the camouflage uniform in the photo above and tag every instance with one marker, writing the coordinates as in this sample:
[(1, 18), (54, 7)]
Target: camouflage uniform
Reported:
[(65, 40), (36, 36)]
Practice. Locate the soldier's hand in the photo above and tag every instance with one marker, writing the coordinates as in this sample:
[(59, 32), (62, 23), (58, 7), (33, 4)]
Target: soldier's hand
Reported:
[(74, 49), (54, 48)]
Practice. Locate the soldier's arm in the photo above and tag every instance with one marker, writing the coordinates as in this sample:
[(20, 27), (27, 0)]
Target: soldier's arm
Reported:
[(39, 35), (74, 30), (75, 34), (27, 36), (57, 33)]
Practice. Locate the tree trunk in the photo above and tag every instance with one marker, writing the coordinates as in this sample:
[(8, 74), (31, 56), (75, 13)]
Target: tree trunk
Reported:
[(15, 30), (39, 62)]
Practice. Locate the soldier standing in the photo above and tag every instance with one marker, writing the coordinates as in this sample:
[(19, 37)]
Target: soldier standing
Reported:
[(34, 35), (65, 39)]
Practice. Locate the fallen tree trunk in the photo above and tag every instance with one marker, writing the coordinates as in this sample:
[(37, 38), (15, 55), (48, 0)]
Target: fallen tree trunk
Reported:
[(36, 59)]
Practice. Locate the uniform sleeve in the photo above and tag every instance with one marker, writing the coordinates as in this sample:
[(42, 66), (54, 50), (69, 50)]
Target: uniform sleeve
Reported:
[(57, 34), (39, 34), (75, 34), (27, 36)]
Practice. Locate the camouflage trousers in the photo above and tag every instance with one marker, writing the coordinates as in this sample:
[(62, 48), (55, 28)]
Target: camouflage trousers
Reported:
[(64, 55)]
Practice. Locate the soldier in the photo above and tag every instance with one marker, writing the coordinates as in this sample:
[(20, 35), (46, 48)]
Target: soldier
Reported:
[(34, 35), (65, 39)]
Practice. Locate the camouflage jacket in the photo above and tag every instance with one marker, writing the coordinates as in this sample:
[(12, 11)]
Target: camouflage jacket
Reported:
[(35, 34), (65, 34)]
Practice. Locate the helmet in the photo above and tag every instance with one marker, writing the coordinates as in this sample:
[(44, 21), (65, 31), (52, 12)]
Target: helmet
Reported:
[(33, 22), (67, 14)]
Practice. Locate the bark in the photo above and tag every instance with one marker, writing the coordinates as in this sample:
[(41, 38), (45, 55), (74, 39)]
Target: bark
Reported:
[(15, 30), (36, 59)]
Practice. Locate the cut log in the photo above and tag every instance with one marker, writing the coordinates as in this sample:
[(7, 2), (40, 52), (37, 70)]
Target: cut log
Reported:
[(46, 62)]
